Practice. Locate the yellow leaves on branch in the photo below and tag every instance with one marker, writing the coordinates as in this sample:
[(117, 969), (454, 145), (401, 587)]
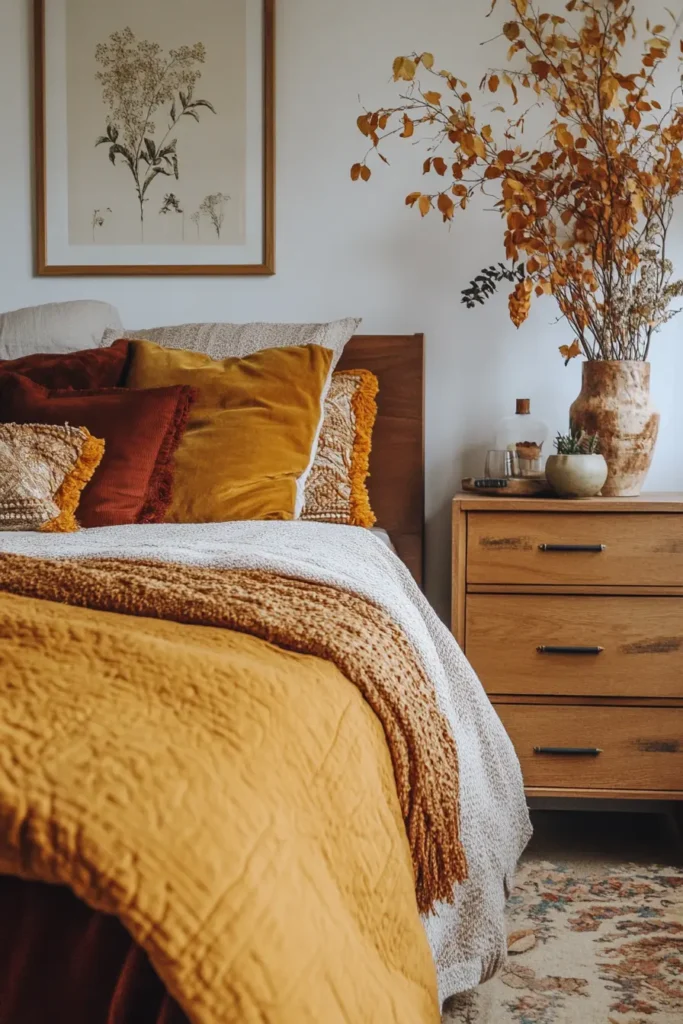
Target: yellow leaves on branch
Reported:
[(564, 137), (444, 204), (519, 301), (575, 202), (570, 351), (404, 69), (609, 89)]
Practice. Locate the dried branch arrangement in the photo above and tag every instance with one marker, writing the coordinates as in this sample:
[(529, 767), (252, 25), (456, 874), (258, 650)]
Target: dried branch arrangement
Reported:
[(588, 208)]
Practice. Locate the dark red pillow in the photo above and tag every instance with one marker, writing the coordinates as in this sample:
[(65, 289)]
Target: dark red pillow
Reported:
[(89, 368), (141, 431)]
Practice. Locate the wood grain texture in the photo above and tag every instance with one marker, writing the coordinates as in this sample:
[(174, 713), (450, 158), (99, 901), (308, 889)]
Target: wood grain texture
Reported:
[(642, 748), (642, 641), (396, 482), (590, 701), (267, 265), (458, 575), (505, 547), (648, 501), (627, 598), (567, 588), (604, 794)]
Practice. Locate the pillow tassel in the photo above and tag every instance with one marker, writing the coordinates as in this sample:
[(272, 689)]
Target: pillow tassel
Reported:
[(69, 494), (364, 407)]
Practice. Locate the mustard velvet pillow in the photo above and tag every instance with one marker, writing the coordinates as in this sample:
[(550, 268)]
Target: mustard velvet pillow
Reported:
[(251, 432)]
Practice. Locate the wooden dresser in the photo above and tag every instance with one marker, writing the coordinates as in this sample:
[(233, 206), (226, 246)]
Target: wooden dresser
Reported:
[(571, 613)]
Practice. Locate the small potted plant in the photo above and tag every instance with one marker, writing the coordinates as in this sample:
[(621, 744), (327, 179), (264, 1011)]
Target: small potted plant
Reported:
[(578, 470)]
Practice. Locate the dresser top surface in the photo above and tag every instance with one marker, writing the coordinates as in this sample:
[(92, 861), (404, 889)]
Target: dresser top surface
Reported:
[(648, 501)]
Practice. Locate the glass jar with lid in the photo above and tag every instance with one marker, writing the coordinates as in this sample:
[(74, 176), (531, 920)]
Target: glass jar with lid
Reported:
[(525, 435)]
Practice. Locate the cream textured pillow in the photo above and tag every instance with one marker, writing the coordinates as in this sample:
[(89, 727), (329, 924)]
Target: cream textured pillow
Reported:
[(43, 469), (335, 490), (223, 341), (56, 327)]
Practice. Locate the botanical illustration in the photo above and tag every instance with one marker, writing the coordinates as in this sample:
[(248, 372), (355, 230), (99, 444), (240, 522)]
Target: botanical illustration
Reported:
[(98, 219), (213, 207), (587, 206), (148, 93), (171, 204)]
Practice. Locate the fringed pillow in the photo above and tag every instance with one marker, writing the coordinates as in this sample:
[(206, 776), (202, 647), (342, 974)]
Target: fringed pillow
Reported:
[(43, 470), (336, 489)]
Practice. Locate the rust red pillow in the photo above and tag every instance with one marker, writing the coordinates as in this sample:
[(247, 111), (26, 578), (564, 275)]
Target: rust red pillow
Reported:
[(87, 369), (141, 431)]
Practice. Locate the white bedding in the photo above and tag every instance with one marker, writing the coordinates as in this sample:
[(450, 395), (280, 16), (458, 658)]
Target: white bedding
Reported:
[(468, 937)]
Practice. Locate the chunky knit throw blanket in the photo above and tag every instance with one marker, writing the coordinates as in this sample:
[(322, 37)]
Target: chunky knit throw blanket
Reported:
[(309, 618)]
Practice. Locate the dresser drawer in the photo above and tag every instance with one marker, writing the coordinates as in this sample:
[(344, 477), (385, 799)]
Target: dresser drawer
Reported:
[(621, 549), (641, 748), (635, 644)]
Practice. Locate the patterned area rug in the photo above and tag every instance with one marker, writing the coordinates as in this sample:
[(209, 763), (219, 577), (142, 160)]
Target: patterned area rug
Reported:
[(588, 944)]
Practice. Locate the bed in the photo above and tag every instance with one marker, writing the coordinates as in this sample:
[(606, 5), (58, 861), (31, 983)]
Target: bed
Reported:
[(325, 897)]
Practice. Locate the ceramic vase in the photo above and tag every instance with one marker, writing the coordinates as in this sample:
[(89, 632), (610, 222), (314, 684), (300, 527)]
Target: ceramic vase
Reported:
[(614, 403), (576, 476)]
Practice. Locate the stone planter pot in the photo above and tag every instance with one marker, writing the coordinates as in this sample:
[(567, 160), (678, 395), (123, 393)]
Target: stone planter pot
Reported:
[(615, 404), (576, 476)]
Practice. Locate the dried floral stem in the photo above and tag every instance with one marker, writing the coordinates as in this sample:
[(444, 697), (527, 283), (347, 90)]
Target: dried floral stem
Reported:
[(588, 209)]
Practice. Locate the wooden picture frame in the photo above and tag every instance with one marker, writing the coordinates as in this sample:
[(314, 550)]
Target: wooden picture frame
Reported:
[(264, 236)]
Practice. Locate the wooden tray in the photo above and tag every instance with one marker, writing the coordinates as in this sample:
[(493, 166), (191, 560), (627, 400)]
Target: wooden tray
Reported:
[(517, 487)]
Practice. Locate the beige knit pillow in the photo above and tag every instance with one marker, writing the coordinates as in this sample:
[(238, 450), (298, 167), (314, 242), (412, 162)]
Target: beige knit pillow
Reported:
[(336, 491), (43, 469)]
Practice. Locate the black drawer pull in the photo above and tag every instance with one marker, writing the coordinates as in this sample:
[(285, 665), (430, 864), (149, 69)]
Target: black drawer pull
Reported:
[(572, 547), (573, 751), (550, 649)]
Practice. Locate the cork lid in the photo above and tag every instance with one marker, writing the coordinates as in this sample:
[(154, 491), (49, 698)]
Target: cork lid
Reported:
[(523, 406)]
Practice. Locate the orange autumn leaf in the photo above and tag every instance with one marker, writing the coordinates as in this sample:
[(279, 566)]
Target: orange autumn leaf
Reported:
[(519, 302), (408, 127), (446, 206), (412, 198), (511, 30), (432, 97), (424, 205), (439, 165), (355, 172), (365, 172), (570, 351), (494, 82)]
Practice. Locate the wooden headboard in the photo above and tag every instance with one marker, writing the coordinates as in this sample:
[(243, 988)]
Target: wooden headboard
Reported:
[(396, 481)]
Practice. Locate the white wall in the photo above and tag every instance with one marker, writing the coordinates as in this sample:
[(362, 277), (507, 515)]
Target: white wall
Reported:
[(345, 249)]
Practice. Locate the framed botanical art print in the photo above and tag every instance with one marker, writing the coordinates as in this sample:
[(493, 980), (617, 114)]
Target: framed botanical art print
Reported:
[(154, 137)]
